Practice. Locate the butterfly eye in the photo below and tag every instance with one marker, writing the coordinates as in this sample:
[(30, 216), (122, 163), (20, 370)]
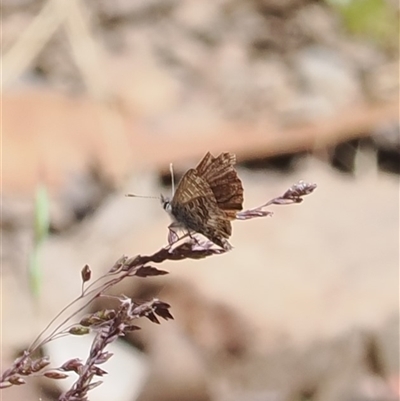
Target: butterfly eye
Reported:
[(167, 206)]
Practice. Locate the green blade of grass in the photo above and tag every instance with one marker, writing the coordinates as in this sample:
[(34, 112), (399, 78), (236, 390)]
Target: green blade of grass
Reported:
[(41, 231)]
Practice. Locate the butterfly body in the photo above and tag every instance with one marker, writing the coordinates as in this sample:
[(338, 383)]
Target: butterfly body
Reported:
[(207, 198)]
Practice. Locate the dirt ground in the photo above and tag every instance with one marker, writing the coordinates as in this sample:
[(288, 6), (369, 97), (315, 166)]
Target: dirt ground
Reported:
[(313, 287)]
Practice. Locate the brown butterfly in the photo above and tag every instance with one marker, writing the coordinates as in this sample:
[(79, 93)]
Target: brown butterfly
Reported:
[(207, 199)]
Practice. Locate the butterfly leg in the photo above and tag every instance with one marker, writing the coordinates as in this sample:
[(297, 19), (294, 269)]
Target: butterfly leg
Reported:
[(194, 239), (173, 233)]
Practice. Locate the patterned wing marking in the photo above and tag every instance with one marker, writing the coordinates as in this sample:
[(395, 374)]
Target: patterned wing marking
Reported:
[(223, 181), (191, 186), (194, 206)]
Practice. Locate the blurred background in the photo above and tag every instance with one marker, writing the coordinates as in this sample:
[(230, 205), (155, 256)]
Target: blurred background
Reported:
[(98, 97)]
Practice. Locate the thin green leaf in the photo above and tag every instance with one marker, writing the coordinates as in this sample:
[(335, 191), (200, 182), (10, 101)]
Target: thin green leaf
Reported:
[(41, 231), (42, 214), (35, 273)]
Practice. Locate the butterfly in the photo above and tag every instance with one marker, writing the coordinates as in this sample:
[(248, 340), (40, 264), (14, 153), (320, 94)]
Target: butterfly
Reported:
[(207, 199)]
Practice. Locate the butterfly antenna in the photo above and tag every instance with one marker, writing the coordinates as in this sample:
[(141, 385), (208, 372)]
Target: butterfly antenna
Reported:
[(140, 196), (171, 169)]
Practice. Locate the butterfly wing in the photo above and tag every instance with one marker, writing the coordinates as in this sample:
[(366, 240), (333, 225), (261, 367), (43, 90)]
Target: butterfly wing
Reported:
[(194, 207), (191, 186), (223, 180)]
